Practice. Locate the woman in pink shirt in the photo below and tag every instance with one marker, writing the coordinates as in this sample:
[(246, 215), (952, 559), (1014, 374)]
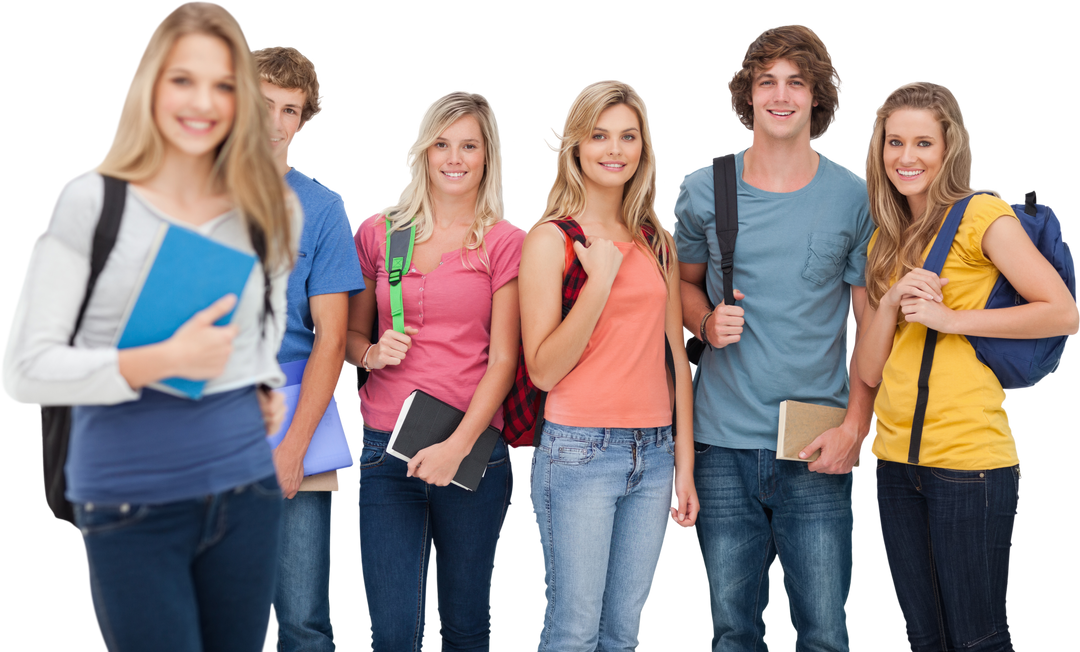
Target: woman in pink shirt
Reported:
[(601, 484), (460, 345)]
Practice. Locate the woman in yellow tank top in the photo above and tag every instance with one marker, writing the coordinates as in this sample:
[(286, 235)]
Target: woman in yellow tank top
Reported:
[(947, 521), (601, 483)]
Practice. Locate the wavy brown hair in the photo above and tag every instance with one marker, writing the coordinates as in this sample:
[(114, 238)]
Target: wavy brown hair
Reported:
[(902, 237), (243, 165), (568, 196), (802, 47), (287, 68)]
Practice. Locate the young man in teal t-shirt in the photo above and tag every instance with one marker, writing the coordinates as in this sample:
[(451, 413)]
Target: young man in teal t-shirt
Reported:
[(804, 224)]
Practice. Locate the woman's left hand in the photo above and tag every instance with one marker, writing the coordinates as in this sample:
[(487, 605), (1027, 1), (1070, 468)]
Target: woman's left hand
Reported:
[(687, 512), (437, 464), (272, 405), (932, 314)]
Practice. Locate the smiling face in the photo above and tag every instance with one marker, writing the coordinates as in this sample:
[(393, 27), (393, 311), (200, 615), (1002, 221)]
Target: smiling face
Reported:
[(456, 160), (783, 102), (913, 153), (194, 97), (609, 157), (285, 106)]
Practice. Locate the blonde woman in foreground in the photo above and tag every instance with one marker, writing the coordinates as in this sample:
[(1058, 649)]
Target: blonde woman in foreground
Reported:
[(176, 499)]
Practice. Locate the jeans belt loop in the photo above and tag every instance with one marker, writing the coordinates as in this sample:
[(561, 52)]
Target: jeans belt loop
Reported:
[(607, 439)]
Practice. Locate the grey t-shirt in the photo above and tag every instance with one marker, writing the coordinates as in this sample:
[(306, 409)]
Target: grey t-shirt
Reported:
[(40, 367)]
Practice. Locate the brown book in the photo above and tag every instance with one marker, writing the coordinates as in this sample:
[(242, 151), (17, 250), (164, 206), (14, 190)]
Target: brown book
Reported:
[(800, 424)]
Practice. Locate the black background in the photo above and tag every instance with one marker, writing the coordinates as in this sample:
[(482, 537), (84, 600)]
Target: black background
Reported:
[(380, 68)]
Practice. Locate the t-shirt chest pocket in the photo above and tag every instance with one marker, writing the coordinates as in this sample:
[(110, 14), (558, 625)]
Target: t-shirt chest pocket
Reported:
[(826, 254)]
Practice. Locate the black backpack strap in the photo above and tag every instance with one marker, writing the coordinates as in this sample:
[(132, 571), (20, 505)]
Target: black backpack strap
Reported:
[(934, 262), (112, 210), (725, 194)]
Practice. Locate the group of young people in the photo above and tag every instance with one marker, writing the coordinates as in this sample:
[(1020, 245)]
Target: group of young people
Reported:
[(180, 502)]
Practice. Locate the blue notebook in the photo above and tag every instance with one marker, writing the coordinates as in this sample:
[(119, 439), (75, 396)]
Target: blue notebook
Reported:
[(328, 450), (185, 273)]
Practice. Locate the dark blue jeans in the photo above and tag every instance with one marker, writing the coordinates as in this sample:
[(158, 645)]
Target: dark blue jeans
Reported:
[(400, 518), (302, 597), (947, 535), (754, 507), (189, 576)]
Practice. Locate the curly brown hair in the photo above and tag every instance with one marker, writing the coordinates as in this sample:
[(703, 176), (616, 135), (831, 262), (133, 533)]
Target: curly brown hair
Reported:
[(802, 47), (287, 68)]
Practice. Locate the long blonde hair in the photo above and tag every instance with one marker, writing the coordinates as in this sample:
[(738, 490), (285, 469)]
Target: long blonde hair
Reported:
[(901, 236), (568, 196), (243, 165), (416, 202)]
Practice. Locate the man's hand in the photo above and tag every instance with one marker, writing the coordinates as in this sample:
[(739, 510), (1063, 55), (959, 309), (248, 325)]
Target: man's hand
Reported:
[(725, 326), (289, 465), (839, 449)]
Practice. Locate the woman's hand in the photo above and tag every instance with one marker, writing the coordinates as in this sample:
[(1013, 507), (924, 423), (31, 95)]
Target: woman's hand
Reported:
[(932, 314), (918, 283), (687, 512), (391, 348), (200, 349), (437, 464), (601, 259)]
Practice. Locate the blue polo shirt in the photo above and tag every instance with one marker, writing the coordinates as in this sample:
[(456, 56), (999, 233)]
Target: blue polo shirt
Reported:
[(325, 264)]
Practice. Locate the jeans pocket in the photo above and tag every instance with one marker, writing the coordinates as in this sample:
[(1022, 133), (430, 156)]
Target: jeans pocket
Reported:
[(881, 464), (958, 476), (571, 452), (372, 456), (499, 455), (825, 256), (98, 519), (701, 448)]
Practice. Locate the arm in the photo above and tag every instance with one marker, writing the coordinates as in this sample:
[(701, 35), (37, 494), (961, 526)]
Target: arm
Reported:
[(687, 511), (438, 464), (1050, 311), (840, 446), (554, 345), (330, 313)]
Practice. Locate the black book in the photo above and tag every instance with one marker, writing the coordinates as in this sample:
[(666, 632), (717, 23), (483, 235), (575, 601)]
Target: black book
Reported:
[(425, 420)]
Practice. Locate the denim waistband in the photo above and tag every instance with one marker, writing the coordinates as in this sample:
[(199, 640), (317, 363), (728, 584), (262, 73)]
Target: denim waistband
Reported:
[(605, 436)]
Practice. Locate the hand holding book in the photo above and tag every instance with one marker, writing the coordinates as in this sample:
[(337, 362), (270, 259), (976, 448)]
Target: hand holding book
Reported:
[(438, 464)]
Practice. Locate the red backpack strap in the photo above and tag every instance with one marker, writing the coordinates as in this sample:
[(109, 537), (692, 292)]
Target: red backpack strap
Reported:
[(574, 276)]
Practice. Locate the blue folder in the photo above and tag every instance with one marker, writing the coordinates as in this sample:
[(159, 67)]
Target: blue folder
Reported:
[(328, 450), (185, 273)]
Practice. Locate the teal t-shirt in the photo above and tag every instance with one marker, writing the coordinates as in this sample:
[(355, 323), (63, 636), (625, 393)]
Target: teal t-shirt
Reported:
[(796, 256)]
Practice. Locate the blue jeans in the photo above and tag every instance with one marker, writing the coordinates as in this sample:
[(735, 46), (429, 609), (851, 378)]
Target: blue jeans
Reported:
[(947, 535), (189, 576), (302, 598), (601, 497), (400, 518), (754, 507)]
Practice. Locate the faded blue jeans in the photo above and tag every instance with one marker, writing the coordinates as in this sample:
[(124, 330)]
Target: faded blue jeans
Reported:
[(947, 534), (754, 507), (400, 518), (602, 499), (188, 576), (302, 597)]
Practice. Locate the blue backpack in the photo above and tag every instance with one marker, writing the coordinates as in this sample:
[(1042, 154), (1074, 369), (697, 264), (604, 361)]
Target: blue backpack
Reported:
[(1016, 363)]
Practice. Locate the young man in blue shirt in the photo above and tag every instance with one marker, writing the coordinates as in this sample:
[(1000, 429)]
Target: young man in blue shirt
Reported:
[(327, 272), (804, 224)]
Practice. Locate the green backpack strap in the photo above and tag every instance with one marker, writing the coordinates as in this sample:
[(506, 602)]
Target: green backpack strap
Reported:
[(399, 248)]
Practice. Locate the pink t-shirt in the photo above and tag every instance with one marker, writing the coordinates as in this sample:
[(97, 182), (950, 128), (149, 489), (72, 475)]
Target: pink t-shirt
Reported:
[(451, 308)]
